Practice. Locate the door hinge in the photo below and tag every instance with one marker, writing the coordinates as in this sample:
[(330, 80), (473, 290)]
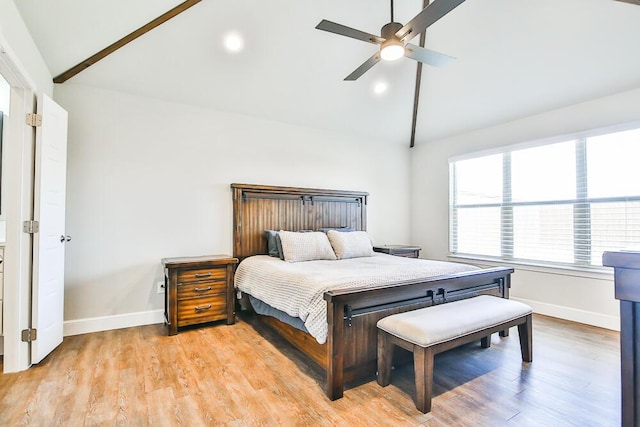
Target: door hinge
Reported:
[(29, 335), (30, 226), (34, 119)]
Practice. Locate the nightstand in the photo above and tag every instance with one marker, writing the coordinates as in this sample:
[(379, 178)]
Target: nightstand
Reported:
[(198, 290), (399, 250)]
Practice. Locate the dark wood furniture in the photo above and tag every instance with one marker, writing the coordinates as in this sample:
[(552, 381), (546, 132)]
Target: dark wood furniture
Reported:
[(497, 316), (627, 289), (198, 290), (399, 250), (350, 350)]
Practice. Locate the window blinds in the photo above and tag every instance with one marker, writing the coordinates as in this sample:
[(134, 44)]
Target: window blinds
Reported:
[(560, 203)]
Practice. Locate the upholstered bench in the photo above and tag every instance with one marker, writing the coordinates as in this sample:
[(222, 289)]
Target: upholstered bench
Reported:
[(435, 329)]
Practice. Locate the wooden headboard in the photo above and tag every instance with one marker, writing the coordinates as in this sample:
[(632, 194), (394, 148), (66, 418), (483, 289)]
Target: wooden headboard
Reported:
[(257, 208)]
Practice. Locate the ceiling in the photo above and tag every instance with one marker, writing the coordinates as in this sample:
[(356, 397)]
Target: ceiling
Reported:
[(515, 58)]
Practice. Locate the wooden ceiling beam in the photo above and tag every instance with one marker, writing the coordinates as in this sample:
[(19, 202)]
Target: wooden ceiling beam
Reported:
[(61, 78), (416, 96)]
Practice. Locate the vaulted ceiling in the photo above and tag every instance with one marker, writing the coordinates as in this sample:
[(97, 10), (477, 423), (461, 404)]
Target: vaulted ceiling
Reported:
[(515, 58)]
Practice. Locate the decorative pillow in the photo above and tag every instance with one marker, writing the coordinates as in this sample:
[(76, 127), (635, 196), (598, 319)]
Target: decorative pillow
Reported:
[(307, 246), (350, 245), (341, 229), (274, 246)]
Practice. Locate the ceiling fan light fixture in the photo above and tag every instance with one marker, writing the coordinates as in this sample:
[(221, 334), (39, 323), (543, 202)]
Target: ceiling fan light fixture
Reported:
[(392, 47), (392, 50)]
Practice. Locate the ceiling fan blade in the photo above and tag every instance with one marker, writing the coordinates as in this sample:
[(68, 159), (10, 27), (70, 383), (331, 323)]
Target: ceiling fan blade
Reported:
[(342, 30), (364, 67), (427, 56), (427, 17)]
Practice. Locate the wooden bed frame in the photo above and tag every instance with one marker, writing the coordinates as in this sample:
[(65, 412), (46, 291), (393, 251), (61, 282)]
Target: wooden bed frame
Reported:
[(352, 314)]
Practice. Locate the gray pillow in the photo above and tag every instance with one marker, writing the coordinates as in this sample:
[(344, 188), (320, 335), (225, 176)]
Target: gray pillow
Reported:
[(274, 245)]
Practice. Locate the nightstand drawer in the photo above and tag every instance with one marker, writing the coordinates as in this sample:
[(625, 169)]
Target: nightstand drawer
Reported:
[(211, 273), (201, 289), (198, 310)]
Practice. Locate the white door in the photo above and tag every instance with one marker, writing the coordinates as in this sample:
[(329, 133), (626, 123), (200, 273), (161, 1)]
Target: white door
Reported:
[(49, 242)]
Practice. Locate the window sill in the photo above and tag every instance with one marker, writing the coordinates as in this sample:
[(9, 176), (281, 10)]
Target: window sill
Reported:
[(598, 273)]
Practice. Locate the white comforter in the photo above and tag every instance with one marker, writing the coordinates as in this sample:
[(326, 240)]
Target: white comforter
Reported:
[(298, 288)]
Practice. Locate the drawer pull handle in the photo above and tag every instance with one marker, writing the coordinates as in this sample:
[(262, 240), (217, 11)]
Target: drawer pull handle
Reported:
[(208, 288), (203, 307), (199, 275)]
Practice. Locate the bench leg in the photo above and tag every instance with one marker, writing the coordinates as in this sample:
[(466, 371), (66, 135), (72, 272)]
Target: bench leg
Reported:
[(525, 332), (423, 367), (385, 358), (485, 342)]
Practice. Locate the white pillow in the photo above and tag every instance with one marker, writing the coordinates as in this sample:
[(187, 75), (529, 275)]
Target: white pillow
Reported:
[(310, 246), (352, 244)]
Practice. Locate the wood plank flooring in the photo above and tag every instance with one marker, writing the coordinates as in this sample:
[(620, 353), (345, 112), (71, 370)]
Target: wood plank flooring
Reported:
[(244, 375)]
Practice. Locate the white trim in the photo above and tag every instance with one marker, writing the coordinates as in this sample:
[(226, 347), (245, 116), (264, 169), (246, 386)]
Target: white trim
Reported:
[(573, 314), (17, 196), (580, 134), (12, 69), (117, 321), (597, 273)]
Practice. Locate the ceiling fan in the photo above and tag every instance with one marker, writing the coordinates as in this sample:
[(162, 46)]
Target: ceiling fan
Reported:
[(394, 37)]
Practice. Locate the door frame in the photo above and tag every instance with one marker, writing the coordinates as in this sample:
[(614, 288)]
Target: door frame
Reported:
[(18, 167)]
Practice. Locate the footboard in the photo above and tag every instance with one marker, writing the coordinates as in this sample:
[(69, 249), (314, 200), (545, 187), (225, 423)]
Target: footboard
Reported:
[(352, 316)]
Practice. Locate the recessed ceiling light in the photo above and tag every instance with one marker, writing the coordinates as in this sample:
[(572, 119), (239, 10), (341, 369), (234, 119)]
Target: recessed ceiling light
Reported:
[(380, 88), (233, 42)]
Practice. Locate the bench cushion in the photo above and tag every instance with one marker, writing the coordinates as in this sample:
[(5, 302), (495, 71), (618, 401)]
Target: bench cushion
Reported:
[(433, 325)]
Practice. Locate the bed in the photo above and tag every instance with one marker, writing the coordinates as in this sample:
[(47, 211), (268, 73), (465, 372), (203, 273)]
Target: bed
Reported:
[(348, 351)]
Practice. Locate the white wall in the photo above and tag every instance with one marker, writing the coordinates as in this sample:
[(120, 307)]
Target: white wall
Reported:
[(558, 293), (149, 179)]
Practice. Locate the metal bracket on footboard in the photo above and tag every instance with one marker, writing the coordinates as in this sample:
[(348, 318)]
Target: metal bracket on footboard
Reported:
[(443, 293), (348, 313)]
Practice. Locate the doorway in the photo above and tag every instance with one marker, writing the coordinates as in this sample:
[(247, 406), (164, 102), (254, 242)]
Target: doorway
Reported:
[(16, 204)]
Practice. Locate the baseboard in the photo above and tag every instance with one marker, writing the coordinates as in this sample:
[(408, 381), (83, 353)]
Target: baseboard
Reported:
[(573, 314), (119, 321), (107, 323)]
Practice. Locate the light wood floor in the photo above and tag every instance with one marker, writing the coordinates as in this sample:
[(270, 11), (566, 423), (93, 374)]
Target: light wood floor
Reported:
[(242, 375)]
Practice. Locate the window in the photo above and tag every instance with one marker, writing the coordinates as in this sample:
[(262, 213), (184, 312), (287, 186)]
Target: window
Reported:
[(564, 202)]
